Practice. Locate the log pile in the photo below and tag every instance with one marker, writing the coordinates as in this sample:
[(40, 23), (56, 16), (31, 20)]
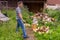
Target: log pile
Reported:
[(45, 18), (27, 25), (42, 30)]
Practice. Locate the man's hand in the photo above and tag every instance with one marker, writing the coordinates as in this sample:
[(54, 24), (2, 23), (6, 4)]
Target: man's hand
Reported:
[(20, 16)]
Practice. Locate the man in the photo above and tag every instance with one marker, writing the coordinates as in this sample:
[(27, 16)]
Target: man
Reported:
[(19, 18)]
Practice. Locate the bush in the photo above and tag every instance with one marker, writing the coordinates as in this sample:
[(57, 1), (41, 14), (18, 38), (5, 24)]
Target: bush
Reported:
[(26, 15), (53, 13), (54, 31)]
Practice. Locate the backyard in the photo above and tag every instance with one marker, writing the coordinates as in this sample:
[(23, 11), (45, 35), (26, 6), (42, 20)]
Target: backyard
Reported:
[(8, 30)]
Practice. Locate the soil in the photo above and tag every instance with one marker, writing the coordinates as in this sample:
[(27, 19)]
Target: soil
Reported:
[(30, 34)]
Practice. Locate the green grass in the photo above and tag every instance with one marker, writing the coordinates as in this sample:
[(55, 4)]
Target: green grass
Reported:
[(54, 33), (8, 30)]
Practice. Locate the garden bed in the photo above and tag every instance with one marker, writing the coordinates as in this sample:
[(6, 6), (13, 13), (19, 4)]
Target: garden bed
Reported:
[(7, 32)]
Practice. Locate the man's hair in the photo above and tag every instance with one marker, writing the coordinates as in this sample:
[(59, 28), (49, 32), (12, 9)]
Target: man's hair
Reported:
[(19, 2)]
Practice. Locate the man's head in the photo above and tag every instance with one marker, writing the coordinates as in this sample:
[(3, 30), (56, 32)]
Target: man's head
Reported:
[(20, 4)]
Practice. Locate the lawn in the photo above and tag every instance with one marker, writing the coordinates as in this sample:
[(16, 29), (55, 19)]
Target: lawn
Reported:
[(8, 30)]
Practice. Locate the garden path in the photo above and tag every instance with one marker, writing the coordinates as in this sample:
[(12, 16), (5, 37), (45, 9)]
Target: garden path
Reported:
[(30, 34)]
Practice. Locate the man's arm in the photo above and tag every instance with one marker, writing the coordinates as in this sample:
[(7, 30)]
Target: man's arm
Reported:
[(19, 13), (20, 16)]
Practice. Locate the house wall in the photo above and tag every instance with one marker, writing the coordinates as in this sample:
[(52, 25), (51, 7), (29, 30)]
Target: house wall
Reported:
[(33, 5), (53, 2)]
